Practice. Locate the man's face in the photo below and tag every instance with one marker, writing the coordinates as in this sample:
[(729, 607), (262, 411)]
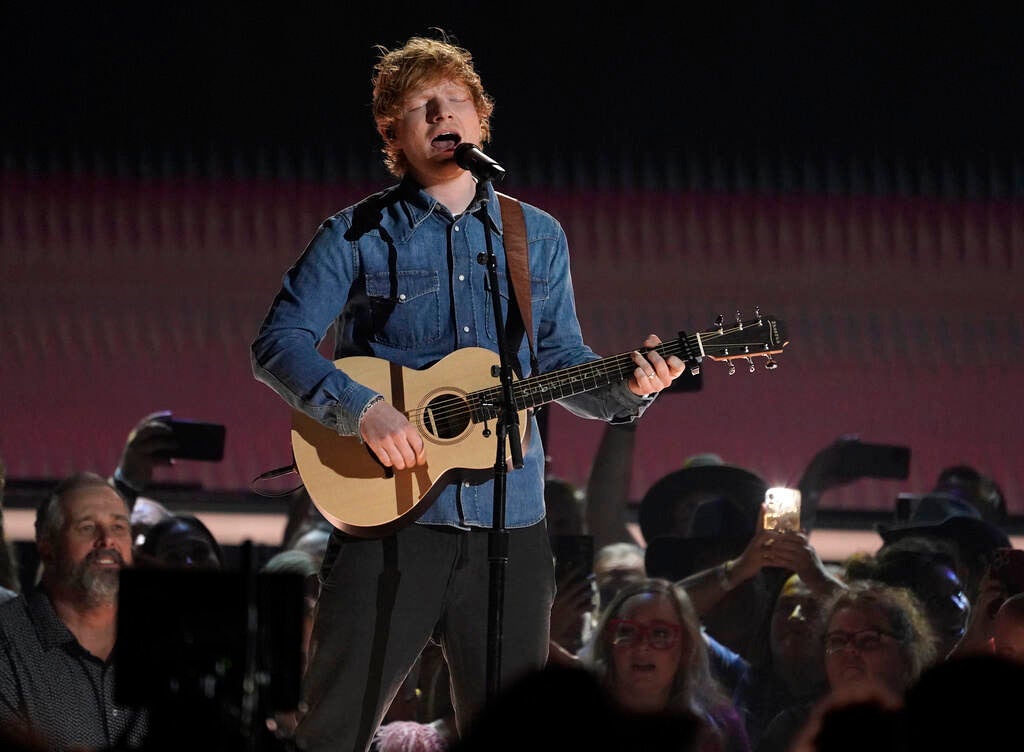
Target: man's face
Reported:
[(93, 545), (437, 117), (793, 620)]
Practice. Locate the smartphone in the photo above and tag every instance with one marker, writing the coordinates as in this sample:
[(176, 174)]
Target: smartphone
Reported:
[(782, 509), (197, 440), (574, 556), (859, 459)]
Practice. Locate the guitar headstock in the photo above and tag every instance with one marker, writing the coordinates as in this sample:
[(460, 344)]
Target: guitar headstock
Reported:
[(759, 337)]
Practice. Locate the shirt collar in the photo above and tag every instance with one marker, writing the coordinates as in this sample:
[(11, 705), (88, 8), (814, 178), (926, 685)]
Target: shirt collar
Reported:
[(419, 204)]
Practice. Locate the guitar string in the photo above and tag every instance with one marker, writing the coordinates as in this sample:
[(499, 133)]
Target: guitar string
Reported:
[(596, 372)]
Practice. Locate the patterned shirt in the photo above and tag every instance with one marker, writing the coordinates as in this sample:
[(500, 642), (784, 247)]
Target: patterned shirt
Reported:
[(61, 691)]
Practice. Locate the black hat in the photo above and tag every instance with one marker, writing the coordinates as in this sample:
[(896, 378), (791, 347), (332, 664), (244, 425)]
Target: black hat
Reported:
[(946, 516), (699, 516), (703, 501)]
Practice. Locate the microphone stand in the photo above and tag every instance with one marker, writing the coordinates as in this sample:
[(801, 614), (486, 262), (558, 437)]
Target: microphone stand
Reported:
[(507, 432)]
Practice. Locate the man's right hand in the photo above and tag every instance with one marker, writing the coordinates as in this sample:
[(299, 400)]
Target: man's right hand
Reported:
[(390, 436)]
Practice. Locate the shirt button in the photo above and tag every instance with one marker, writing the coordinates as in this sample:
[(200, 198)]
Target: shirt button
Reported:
[(456, 228), (462, 278), (465, 329), (402, 296), (466, 484)]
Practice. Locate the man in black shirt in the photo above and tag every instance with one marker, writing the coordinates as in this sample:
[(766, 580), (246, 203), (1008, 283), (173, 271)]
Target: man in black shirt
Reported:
[(56, 675)]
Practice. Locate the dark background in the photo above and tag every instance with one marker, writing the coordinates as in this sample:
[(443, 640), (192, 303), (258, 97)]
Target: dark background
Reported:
[(115, 80)]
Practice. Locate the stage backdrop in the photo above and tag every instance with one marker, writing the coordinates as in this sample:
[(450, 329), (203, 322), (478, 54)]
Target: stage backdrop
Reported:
[(121, 295)]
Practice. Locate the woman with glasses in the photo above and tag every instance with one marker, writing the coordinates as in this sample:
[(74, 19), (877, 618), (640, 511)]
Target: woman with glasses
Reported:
[(649, 653), (876, 640)]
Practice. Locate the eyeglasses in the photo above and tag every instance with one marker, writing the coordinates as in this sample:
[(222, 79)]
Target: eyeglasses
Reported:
[(863, 641), (660, 635)]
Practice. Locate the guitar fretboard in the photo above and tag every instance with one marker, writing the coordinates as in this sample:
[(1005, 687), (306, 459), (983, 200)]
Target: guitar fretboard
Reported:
[(567, 382)]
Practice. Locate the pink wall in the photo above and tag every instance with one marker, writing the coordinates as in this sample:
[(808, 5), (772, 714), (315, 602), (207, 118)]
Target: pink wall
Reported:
[(904, 315)]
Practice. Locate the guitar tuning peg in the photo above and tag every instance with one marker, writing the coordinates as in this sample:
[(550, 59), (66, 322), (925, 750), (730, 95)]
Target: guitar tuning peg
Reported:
[(739, 318), (750, 364), (732, 368), (719, 320), (771, 365), (757, 312), (694, 370)]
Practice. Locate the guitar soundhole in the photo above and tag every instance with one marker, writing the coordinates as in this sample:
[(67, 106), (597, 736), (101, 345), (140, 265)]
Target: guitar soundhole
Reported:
[(446, 416)]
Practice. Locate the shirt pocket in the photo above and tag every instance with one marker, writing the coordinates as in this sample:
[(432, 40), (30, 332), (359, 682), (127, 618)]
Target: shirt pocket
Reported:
[(405, 308), (538, 294)]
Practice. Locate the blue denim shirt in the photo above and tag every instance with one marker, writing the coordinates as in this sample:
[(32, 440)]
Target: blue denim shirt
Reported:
[(398, 278)]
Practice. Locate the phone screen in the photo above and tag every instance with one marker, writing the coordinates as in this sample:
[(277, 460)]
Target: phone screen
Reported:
[(782, 509)]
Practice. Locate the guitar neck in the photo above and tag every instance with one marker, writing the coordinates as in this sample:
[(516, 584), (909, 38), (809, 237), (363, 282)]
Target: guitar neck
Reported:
[(567, 382), (758, 337)]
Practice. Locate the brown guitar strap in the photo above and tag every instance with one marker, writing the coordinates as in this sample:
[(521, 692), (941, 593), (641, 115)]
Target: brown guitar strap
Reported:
[(517, 256)]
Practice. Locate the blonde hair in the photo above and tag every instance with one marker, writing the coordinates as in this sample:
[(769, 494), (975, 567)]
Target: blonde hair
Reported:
[(694, 687), (418, 62)]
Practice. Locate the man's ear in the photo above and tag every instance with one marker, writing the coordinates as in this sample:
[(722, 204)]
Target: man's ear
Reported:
[(45, 550)]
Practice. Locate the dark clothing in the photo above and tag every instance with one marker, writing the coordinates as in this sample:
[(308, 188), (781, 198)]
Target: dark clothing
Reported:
[(783, 729), (423, 581), (56, 687), (762, 696)]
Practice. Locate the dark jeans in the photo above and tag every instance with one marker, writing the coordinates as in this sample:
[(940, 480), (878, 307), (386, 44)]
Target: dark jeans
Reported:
[(382, 600)]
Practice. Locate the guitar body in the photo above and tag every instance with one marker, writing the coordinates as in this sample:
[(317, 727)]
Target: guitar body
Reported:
[(347, 483), (357, 494)]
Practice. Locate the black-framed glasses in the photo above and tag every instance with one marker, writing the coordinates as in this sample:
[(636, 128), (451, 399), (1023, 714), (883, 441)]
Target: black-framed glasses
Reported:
[(863, 640), (626, 633)]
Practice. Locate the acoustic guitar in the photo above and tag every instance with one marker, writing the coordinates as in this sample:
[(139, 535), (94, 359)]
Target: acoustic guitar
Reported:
[(453, 405)]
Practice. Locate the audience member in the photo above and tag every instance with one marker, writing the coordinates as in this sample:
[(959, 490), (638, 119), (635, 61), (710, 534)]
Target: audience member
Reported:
[(1008, 629), (929, 568), (943, 516), (572, 614), (780, 667), (572, 610), (964, 703), (853, 725), (615, 566), (876, 642), (981, 491), (1003, 579), (693, 520), (56, 644), (557, 708), (182, 540), (282, 724), (650, 655), (146, 513)]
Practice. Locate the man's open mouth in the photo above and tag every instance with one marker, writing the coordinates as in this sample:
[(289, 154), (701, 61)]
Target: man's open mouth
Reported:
[(445, 141)]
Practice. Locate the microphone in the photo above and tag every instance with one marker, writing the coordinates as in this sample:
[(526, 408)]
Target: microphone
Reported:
[(469, 157)]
